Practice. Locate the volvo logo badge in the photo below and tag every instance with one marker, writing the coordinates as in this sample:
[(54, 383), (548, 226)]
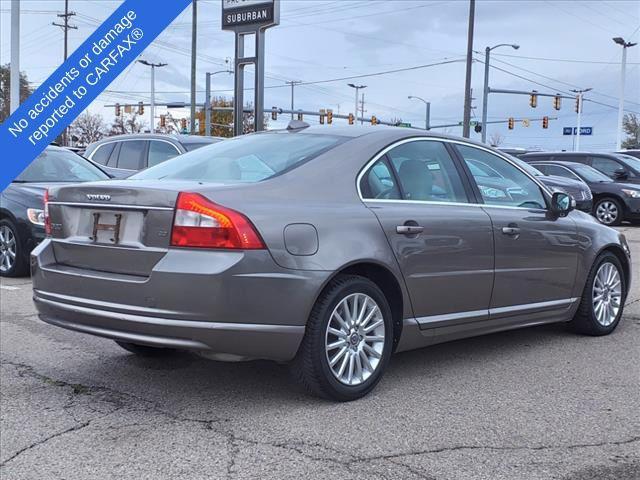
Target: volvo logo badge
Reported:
[(98, 196)]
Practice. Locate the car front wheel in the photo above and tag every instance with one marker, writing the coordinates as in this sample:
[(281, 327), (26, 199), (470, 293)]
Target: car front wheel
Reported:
[(608, 211), (603, 297), (348, 340), (13, 261)]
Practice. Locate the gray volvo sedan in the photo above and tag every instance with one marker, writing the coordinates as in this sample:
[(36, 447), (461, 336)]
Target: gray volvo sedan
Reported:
[(328, 248)]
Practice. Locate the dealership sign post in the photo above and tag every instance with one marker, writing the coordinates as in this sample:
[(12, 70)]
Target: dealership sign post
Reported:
[(249, 18)]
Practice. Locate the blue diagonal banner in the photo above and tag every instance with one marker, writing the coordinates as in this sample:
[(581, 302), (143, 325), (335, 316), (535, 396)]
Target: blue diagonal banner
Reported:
[(79, 80)]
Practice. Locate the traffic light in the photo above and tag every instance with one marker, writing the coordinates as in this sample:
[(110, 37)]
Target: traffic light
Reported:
[(140, 108), (329, 117), (351, 119), (512, 123), (577, 108), (163, 121), (545, 122), (477, 128), (118, 110), (557, 100), (322, 112), (374, 120), (533, 100), (274, 113), (300, 116), (183, 123)]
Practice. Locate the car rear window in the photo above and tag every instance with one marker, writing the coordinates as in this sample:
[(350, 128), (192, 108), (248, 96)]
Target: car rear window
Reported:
[(60, 166), (246, 159)]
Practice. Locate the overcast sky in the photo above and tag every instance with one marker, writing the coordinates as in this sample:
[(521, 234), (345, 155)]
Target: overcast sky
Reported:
[(563, 45)]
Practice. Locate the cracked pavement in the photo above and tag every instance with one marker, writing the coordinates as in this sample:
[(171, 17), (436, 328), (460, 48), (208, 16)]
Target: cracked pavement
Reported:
[(538, 403)]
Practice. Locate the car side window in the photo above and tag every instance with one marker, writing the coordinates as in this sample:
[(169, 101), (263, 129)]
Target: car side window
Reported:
[(561, 172), (160, 151), (131, 154), (427, 172), (606, 165), (102, 152), (513, 189), (379, 182)]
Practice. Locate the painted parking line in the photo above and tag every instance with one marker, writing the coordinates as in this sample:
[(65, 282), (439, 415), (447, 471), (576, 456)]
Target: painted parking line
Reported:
[(8, 287)]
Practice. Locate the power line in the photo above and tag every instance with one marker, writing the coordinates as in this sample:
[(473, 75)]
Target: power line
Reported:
[(563, 60)]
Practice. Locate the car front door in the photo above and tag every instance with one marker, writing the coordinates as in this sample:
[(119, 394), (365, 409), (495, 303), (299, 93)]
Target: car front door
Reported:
[(441, 239), (536, 251)]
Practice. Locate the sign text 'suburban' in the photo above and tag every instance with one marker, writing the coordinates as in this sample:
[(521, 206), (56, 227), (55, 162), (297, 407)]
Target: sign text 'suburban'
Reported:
[(259, 14)]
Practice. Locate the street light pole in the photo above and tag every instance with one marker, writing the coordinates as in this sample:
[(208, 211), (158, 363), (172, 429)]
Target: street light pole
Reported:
[(357, 87), (427, 113), (485, 93), (207, 102), (579, 101), (293, 83), (620, 41), (152, 107), (14, 95)]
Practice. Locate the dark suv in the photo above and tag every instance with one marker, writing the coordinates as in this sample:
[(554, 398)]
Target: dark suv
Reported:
[(617, 166), (123, 155)]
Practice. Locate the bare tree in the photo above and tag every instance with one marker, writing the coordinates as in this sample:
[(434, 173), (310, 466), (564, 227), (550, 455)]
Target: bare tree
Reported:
[(127, 124), (631, 126), (5, 87), (496, 139), (88, 128)]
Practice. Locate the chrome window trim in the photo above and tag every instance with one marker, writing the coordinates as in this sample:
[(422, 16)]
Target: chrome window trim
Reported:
[(110, 206), (384, 151), (90, 157), (575, 176)]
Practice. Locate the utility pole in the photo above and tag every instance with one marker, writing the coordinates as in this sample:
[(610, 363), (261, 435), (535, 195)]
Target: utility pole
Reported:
[(357, 88), (466, 117), (485, 93), (65, 27), (14, 101), (579, 100), (623, 68), (293, 83), (194, 37), (362, 110), (207, 102), (152, 107)]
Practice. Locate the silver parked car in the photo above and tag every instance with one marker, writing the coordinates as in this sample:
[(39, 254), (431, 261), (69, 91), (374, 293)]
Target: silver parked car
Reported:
[(329, 248)]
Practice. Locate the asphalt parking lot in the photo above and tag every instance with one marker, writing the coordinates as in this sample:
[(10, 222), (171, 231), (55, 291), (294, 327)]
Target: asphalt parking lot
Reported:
[(540, 403)]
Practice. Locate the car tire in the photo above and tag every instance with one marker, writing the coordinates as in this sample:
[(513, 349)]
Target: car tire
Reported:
[(608, 211), (145, 350), (366, 338), (15, 262), (590, 319)]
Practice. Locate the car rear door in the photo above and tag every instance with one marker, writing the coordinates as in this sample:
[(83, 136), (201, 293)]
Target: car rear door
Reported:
[(442, 240), (536, 251)]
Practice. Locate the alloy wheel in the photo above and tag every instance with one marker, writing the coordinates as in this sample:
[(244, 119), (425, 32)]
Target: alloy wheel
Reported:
[(7, 249), (607, 294), (607, 212), (355, 338)]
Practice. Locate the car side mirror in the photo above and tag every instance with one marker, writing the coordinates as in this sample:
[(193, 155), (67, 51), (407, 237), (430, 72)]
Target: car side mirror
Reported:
[(620, 174), (562, 203)]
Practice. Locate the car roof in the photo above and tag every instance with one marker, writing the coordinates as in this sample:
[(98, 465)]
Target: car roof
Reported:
[(183, 139), (562, 162)]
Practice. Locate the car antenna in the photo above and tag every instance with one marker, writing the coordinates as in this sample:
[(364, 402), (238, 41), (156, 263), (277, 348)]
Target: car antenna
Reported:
[(297, 125)]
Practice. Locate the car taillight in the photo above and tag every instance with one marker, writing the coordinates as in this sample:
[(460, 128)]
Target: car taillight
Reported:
[(47, 219), (199, 222)]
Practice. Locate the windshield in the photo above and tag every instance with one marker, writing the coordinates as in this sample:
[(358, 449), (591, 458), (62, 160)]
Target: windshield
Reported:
[(246, 159), (54, 165), (630, 161), (590, 174)]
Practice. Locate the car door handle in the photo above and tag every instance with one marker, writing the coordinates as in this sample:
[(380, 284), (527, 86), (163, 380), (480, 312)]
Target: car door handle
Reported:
[(511, 230), (409, 229)]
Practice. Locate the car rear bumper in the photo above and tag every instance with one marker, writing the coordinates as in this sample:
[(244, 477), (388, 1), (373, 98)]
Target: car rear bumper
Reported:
[(239, 304)]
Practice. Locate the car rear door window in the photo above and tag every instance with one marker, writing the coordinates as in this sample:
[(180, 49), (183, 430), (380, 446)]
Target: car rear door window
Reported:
[(606, 165), (160, 151), (513, 188), (561, 172), (427, 172), (102, 152), (131, 154), (379, 182)]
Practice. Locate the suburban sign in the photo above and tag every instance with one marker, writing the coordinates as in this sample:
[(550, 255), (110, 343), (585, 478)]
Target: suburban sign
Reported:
[(574, 130), (240, 13)]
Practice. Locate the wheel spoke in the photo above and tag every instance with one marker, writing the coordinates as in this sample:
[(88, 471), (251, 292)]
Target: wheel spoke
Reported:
[(338, 356), (373, 338), (365, 361), (343, 324), (351, 366), (343, 365), (337, 333), (359, 372), (334, 345), (373, 326), (371, 351)]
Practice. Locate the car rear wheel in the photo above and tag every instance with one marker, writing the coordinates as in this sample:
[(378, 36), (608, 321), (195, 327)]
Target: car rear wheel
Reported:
[(348, 340), (145, 350), (13, 261), (608, 211), (603, 297)]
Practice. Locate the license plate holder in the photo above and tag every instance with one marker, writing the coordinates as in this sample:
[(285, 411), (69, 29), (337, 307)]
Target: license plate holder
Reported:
[(112, 228)]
